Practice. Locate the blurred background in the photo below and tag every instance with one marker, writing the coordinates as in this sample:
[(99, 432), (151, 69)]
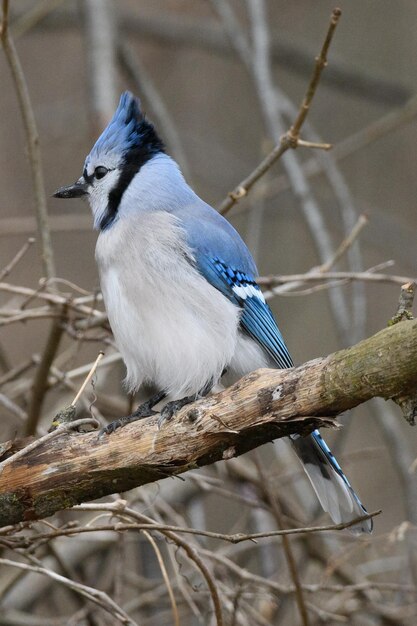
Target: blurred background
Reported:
[(222, 81)]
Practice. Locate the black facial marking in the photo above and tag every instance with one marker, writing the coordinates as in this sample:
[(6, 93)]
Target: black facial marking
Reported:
[(88, 179), (148, 145)]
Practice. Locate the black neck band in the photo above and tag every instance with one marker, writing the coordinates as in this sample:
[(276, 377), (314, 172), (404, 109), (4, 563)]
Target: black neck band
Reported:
[(150, 145)]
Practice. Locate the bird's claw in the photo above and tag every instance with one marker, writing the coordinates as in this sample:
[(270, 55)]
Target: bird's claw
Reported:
[(110, 428), (172, 408), (167, 413), (144, 410)]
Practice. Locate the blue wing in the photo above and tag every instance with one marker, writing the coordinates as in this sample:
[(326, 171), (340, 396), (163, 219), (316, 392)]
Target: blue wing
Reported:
[(256, 319), (224, 260)]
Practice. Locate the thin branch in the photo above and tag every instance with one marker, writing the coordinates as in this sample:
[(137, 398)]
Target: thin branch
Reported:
[(289, 140), (194, 556), (32, 137), (165, 577), (94, 595), (16, 372), (116, 508), (321, 62), (349, 219), (53, 298), (368, 276), (40, 382), (20, 254), (9, 317), (247, 576), (314, 144), (88, 378), (379, 128), (25, 225), (289, 555), (100, 42), (345, 244), (14, 408), (33, 16)]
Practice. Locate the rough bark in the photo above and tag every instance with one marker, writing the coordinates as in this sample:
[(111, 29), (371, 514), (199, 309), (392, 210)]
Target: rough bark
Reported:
[(265, 405)]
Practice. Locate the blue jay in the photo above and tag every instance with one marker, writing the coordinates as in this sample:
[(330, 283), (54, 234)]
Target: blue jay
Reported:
[(179, 287)]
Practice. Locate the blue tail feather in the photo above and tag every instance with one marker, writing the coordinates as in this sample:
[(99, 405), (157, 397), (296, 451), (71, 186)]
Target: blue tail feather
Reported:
[(333, 489)]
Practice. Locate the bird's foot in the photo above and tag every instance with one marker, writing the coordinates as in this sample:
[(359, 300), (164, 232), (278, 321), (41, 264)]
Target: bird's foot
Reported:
[(119, 423), (144, 410), (171, 408)]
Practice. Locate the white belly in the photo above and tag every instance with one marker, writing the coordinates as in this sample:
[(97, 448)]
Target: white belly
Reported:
[(171, 326)]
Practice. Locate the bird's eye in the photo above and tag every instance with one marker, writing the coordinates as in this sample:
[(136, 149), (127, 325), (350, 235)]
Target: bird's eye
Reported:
[(100, 171)]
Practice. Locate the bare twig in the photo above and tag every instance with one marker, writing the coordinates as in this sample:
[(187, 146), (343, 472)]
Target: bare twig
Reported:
[(289, 140), (53, 298), (15, 372), (321, 62), (83, 370), (354, 143), (13, 317), (312, 276), (40, 382), (314, 144), (88, 378), (194, 556), (345, 244), (14, 408), (289, 555), (33, 16), (348, 212), (165, 577), (120, 508), (25, 225), (6, 270), (94, 595), (100, 41), (310, 588), (32, 138)]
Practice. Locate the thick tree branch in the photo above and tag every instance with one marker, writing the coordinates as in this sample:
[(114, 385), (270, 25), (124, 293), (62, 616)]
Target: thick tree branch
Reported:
[(263, 406)]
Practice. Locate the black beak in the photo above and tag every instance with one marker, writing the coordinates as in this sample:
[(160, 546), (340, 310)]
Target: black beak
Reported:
[(77, 190)]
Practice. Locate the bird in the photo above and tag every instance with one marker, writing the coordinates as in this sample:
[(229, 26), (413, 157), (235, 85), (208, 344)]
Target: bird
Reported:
[(179, 287)]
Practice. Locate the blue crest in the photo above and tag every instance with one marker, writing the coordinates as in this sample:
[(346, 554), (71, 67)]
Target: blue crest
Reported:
[(128, 131)]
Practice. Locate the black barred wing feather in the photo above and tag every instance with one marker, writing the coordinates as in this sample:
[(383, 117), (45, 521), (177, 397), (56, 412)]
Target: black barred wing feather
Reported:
[(256, 319)]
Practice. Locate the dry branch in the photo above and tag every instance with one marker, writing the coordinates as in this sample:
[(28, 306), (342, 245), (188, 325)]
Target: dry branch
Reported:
[(263, 406), (32, 138), (290, 139)]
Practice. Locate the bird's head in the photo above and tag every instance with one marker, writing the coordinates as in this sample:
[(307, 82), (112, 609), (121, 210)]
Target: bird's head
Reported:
[(127, 143)]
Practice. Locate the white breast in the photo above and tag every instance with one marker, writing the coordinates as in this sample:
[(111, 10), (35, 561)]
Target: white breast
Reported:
[(171, 326)]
